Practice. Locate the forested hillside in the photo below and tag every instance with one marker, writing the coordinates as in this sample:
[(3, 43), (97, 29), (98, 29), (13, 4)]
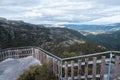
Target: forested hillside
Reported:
[(110, 39)]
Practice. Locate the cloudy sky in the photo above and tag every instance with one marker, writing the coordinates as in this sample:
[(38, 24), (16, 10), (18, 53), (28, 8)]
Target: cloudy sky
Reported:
[(62, 11)]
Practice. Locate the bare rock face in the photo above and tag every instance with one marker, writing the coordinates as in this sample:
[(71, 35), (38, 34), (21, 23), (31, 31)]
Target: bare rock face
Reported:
[(10, 69)]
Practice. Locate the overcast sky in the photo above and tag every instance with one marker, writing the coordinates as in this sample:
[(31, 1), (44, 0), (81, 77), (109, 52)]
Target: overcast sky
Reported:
[(62, 11)]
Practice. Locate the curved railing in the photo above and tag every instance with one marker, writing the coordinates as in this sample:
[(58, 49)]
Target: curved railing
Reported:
[(14, 53), (20, 52), (78, 65)]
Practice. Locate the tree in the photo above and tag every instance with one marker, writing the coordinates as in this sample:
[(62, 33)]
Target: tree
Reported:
[(38, 72), (69, 54)]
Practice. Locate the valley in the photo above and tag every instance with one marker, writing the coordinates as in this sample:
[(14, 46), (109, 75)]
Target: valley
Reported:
[(59, 41)]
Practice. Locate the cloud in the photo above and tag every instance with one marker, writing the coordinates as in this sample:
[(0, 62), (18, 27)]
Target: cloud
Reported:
[(105, 20), (108, 2), (61, 12)]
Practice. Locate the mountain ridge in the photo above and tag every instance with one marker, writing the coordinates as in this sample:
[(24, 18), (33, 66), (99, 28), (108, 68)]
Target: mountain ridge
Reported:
[(109, 27), (53, 39)]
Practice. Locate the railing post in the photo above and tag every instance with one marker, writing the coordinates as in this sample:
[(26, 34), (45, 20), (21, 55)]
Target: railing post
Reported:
[(102, 68), (31, 51), (61, 70), (8, 52), (86, 69), (116, 67), (72, 70), (109, 65), (66, 70), (79, 69), (94, 68)]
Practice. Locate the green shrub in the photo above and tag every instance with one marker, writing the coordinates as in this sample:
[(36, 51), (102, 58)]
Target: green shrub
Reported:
[(69, 54), (38, 72)]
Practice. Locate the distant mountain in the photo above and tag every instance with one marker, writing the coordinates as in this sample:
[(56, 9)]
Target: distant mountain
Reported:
[(107, 35), (110, 38), (94, 28), (53, 39)]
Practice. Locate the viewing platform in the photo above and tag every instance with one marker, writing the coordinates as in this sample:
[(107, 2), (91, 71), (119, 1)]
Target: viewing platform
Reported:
[(95, 66)]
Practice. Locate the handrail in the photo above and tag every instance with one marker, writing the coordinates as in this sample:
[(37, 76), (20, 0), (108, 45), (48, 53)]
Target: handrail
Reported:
[(50, 54), (90, 55), (27, 47), (13, 48), (58, 58)]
